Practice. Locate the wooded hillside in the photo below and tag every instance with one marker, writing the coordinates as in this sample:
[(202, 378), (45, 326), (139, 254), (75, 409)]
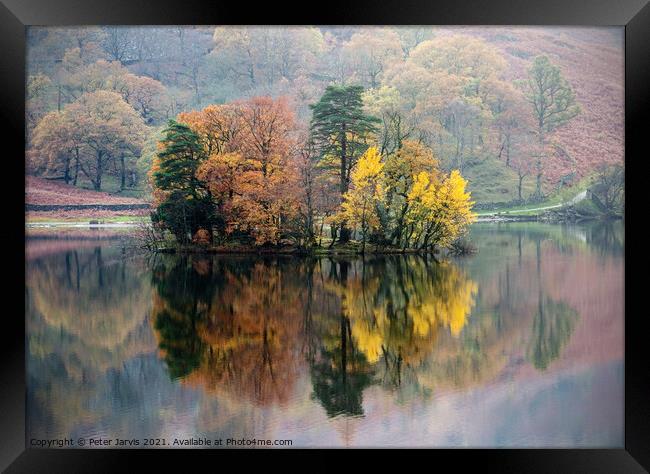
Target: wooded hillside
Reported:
[(98, 97)]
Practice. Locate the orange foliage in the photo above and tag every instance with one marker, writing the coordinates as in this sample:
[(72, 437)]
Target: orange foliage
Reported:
[(251, 170)]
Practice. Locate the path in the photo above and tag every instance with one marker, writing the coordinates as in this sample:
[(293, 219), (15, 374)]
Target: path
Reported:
[(576, 199)]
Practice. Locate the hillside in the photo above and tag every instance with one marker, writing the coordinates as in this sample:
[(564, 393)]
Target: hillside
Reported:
[(421, 70), (54, 200), (592, 60)]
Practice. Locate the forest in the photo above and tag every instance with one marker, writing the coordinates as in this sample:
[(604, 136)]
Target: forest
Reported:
[(321, 135)]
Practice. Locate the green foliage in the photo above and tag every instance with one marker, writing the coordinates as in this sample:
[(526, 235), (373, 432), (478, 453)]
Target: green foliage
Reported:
[(552, 328), (341, 130), (340, 127), (187, 206), (184, 216), (550, 94), (553, 104), (179, 160)]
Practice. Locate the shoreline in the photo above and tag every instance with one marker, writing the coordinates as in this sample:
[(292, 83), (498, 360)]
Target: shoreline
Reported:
[(295, 251)]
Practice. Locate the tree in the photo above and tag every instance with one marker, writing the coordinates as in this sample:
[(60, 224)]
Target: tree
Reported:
[(268, 184), (553, 104), (609, 188), (144, 94), (55, 144), (439, 211), (461, 118), (97, 130), (250, 166), (370, 51), (38, 90), (523, 167), (341, 129), (361, 201), (397, 123), (187, 205), (400, 171), (253, 57)]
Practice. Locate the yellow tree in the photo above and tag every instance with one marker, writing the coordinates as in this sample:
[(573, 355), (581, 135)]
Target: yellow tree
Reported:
[(360, 202), (439, 211), (400, 170)]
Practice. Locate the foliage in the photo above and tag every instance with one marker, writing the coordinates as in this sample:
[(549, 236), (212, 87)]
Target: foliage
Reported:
[(553, 104), (341, 130), (89, 135), (186, 205), (609, 189), (453, 92), (250, 168), (360, 203)]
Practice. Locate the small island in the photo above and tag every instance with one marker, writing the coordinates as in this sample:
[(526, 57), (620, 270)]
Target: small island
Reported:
[(243, 177)]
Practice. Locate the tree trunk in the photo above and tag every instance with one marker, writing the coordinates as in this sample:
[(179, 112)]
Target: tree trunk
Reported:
[(97, 184), (538, 180), (123, 173), (344, 234), (66, 171), (76, 167)]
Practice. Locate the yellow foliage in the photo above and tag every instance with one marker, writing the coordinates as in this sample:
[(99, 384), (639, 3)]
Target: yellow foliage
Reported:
[(439, 211), (366, 190)]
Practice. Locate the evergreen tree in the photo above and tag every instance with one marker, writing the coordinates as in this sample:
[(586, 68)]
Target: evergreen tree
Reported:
[(188, 206), (179, 159), (341, 129)]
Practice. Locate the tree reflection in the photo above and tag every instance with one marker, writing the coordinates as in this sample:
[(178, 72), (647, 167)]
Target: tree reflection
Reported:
[(552, 328), (552, 324), (88, 304), (86, 314), (230, 325), (396, 307), (247, 327), (339, 371)]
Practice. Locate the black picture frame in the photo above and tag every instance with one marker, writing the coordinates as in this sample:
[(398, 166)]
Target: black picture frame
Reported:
[(15, 15)]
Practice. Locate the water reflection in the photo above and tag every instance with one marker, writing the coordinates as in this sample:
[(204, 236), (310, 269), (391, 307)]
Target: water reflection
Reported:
[(249, 326), (257, 346)]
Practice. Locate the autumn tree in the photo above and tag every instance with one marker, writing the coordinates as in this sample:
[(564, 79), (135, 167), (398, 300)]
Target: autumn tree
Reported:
[(341, 130), (268, 183), (366, 192), (397, 124), (553, 104), (56, 147), (98, 130), (446, 87), (250, 167), (370, 51), (146, 95), (400, 171), (440, 211)]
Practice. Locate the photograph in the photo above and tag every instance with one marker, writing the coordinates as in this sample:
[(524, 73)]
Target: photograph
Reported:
[(324, 236)]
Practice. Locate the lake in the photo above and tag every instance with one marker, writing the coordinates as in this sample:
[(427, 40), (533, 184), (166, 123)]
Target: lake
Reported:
[(519, 345)]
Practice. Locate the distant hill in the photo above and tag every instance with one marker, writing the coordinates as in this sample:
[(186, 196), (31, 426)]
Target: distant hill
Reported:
[(194, 70), (592, 60)]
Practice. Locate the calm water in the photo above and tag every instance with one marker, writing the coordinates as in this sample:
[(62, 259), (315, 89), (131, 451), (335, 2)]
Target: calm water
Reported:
[(518, 345)]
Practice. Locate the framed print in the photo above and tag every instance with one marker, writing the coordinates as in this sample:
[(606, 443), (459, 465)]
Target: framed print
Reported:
[(372, 228)]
